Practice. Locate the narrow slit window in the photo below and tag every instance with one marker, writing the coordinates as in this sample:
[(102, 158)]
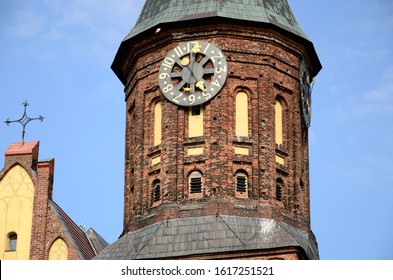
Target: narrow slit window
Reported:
[(279, 123), (157, 124), (241, 114)]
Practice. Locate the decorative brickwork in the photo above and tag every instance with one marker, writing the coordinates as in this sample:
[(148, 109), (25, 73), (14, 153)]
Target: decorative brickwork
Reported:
[(265, 65), (263, 57)]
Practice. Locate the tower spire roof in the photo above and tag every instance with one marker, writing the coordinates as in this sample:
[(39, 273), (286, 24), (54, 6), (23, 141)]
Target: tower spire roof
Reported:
[(275, 12)]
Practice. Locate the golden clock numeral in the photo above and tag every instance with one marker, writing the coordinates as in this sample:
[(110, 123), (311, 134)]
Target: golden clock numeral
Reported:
[(196, 48)]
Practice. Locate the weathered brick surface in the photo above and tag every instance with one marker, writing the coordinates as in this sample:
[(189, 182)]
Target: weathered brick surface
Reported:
[(264, 64)]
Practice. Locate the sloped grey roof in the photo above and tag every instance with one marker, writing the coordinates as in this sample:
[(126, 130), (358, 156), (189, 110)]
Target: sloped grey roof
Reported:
[(276, 12), (210, 234), (96, 240)]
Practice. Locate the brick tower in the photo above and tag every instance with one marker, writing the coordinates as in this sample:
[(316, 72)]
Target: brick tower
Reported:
[(216, 155)]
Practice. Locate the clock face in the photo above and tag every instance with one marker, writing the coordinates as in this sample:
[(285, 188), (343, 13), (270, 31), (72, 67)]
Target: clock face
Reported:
[(192, 73), (305, 93)]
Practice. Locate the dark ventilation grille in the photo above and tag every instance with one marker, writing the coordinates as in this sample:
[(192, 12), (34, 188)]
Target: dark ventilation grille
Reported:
[(195, 185), (279, 190), (241, 183), (156, 192)]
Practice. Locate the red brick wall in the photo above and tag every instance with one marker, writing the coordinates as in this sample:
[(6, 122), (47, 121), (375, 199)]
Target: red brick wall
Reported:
[(46, 227), (261, 62), (54, 230)]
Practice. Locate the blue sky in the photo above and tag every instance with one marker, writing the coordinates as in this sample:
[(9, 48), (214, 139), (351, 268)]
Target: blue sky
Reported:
[(57, 56)]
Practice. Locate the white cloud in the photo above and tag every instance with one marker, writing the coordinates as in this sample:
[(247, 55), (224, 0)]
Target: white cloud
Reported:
[(375, 102)]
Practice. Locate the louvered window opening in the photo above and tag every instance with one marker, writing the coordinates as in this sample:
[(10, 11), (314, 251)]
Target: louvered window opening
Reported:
[(195, 185), (241, 184), (156, 193), (278, 191)]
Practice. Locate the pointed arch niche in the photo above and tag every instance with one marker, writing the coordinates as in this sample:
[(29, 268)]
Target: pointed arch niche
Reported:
[(58, 250)]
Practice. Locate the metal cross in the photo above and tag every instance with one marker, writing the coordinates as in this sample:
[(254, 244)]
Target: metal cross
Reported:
[(24, 120)]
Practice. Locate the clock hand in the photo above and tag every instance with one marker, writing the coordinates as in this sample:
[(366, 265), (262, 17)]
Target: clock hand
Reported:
[(192, 55)]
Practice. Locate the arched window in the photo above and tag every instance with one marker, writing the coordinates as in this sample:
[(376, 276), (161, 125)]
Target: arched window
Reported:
[(156, 192), (195, 184), (58, 250), (241, 187), (241, 114), (279, 189), (157, 123), (12, 241), (279, 123)]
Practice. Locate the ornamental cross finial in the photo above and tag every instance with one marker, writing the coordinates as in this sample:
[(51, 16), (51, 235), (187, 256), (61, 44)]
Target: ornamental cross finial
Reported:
[(24, 120)]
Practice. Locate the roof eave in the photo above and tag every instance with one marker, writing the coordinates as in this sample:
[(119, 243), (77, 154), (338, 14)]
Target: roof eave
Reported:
[(126, 44)]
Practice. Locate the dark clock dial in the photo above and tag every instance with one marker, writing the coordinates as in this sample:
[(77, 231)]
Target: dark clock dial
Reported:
[(192, 73), (305, 93)]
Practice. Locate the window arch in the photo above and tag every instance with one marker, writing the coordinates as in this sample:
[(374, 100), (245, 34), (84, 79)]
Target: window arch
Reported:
[(58, 250), (156, 192), (278, 112), (157, 124), (12, 240), (241, 114), (241, 187), (195, 183), (279, 189)]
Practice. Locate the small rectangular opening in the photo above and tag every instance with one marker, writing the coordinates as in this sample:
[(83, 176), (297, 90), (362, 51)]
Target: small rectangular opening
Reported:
[(196, 110)]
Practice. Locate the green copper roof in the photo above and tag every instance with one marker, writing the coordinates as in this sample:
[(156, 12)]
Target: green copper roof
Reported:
[(276, 12)]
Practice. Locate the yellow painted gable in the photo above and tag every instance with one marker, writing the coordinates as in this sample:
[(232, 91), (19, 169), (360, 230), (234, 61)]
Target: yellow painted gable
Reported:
[(16, 213)]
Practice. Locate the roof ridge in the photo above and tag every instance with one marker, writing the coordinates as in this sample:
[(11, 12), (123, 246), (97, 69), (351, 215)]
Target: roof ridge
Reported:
[(150, 238)]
